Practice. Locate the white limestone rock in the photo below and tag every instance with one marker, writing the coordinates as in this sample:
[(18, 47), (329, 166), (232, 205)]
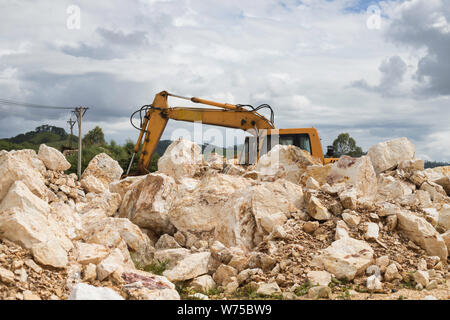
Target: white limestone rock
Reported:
[(181, 159), (345, 258), (83, 291), (387, 155), (285, 161), (422, 232), (52, 158)]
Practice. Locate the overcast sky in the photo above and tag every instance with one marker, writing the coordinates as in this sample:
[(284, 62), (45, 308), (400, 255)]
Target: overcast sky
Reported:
[(377, 74)]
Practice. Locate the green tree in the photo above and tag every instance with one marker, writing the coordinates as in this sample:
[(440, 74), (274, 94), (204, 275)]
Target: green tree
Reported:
[(344, 144), (94, 137)]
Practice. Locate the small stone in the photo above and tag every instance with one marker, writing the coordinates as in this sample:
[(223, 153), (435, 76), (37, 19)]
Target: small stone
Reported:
[(231, 286), (341, 230), (199, 296), (421, 277), (392, 273), (166, 242), (321, 278), (372, 231), (267, 289), (90, 272), (224, 274), (28, 295), (278, 232), (432, 285), (33, 266), (83, 291), (391, 222), (351, 218), (6, 276), (17, 264), (50, 253), (203, 283), (430, 298), (310, 226), (319, 292), (422, 265)]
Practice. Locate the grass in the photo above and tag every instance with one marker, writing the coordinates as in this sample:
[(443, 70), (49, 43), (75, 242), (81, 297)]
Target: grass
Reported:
[(303, 289), (156, 266), (247, 292), (345, 295)]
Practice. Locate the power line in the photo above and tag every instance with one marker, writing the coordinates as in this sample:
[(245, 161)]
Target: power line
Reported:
[(31, 105)]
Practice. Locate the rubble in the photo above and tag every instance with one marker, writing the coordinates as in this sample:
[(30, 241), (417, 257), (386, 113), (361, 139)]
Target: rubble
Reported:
[(216, 230)]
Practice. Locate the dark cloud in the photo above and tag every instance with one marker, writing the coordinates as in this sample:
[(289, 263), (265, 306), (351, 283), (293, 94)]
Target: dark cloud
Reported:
[(120, 38), (107, 96), (116, 44), (102, 52), (392, 73), (425, 24)]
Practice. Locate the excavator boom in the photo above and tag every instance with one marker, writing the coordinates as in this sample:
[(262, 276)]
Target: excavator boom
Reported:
[(157, 115)]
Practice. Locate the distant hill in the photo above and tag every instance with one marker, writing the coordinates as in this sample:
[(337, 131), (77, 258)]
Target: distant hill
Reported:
[(433, 164), (50, 135)]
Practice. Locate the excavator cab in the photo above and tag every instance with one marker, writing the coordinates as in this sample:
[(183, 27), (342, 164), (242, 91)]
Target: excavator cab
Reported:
[(304, 138)]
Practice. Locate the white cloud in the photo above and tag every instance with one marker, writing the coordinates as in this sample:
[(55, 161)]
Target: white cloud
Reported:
[(299, 57)]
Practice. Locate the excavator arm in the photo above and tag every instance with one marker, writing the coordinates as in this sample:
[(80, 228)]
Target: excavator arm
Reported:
[(157, 115)]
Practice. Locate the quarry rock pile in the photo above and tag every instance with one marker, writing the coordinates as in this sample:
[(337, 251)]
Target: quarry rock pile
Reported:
[(287, 227)]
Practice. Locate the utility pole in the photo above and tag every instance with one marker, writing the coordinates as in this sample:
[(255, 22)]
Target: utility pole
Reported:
[(71, 124), (79, 113)]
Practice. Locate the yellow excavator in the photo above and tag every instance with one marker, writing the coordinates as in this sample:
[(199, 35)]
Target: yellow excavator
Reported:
[(154, 117)]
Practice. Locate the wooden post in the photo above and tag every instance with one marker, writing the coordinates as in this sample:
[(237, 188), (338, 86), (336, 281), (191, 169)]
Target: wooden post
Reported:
[(79, 112)]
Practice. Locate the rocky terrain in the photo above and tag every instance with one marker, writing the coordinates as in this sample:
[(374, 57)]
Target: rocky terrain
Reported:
[(375, 227)]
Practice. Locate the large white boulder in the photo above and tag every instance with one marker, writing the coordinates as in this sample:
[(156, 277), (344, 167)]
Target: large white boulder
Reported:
[(201, 209), (356, 172), (25, 219), (83, 291), (31, 158), (345, 258), (148, 202), (50, 253), (190, 267), (15, 167), (19, 196), (52, 158), (422, 232), (181, 159), (87, 253), (387, 155), (390, 188), (104, 169), (106, 201), (285, 161), (255, 211)]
